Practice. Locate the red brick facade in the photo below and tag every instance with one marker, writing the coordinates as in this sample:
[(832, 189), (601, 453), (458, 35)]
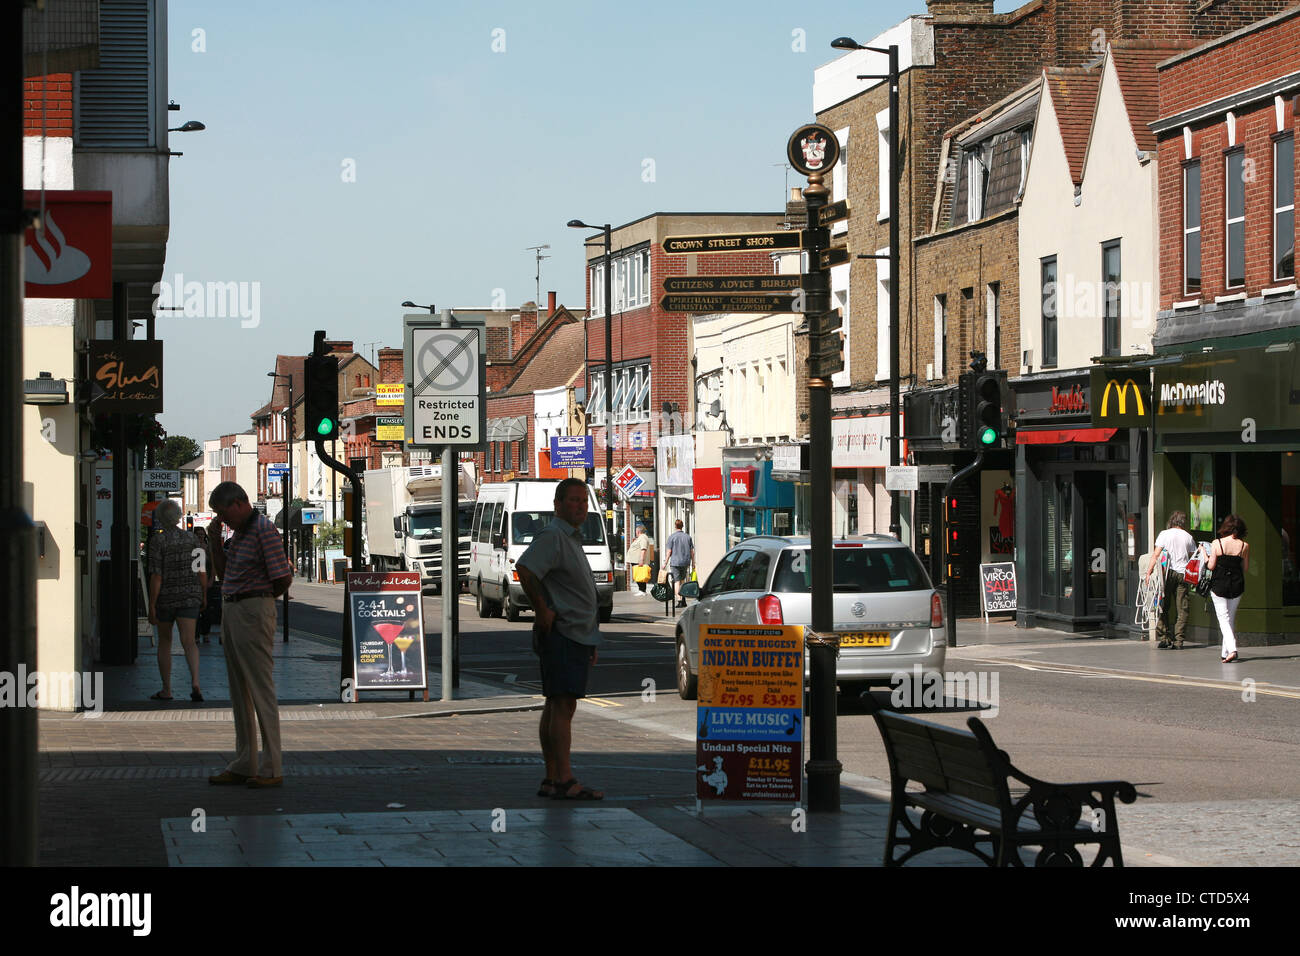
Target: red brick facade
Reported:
[(51, 95), (1201, 77)]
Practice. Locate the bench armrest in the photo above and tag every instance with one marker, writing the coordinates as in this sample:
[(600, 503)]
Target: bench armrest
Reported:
[(1060, 805)]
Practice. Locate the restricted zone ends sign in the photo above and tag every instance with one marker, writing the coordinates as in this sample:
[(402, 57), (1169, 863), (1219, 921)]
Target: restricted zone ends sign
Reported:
[(446, 397)]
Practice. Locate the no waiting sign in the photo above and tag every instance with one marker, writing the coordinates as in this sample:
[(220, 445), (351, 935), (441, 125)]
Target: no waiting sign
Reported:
[(446, 402)]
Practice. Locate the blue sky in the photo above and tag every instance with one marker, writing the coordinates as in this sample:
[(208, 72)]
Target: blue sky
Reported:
[(475, 131)]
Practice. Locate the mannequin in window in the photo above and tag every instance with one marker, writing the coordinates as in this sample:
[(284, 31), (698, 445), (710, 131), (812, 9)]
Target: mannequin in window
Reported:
[(1004, 510)]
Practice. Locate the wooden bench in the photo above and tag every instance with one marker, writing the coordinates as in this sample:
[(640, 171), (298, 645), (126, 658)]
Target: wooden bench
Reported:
[(967, 800)]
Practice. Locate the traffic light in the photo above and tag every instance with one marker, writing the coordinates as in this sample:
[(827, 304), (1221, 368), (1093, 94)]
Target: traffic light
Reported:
[(321, 401), (953, 542), (825, 344), (985, 429)]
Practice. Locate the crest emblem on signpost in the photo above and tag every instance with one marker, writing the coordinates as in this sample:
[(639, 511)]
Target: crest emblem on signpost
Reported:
[(813, 149)]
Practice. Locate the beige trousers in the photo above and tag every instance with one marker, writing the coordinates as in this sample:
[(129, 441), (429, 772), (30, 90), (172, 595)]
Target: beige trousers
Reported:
[(247, 636)]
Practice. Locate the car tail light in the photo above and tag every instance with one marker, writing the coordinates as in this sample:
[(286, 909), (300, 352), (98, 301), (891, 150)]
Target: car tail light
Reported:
[(936, 611), (769, 609), (514, 575)]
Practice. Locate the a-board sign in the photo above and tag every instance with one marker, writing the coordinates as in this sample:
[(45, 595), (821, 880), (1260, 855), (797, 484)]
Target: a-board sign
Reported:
[(998, 587), (749, 731), (387, 630)]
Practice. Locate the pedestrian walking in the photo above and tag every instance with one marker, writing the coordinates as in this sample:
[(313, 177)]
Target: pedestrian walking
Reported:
[(681, 559), (556, 576), (178, 590), (211, 612), (641, 556), (254, 572), (1229, 561), (1178, 545)]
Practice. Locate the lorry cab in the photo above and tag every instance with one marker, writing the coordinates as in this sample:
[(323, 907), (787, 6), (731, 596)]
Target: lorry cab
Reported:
[(506, 518)]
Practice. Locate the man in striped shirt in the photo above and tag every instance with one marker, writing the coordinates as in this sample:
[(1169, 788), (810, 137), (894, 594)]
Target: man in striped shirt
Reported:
[(254, 572)]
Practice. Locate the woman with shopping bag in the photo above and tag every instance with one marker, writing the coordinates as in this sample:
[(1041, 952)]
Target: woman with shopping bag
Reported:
[(640, 558)]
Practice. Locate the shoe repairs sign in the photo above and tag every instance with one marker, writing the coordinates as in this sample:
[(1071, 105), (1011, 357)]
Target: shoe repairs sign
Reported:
[(749, 731), (387, 630)]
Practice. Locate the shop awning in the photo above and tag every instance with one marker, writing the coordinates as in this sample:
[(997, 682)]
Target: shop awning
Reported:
[(1061, 436)]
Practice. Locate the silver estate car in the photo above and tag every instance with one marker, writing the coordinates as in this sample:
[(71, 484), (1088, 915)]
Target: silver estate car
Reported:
[(888, 615)]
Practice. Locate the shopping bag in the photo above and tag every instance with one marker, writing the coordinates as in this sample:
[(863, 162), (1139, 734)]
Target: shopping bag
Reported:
[(641, 573), (660, 592)]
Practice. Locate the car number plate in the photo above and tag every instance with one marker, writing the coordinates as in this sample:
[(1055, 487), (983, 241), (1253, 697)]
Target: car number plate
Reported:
[(864, 639)]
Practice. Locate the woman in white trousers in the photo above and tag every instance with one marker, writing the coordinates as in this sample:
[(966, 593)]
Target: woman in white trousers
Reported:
[(1229, 561)]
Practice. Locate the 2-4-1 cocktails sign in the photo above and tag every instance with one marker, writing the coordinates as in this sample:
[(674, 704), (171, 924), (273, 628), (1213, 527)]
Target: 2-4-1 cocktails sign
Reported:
[(387, 630), (749, 737)]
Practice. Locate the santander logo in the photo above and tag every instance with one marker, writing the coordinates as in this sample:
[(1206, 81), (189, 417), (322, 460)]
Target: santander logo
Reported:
[(51, 261)]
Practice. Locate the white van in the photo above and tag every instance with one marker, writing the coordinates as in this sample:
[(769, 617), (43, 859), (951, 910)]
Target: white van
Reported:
[(506, 518)]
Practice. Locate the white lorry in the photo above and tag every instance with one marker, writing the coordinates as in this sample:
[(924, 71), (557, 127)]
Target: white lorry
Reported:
[(403, 521)]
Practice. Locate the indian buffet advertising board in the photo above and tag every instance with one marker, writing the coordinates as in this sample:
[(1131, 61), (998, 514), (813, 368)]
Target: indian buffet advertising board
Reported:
[(749, 731), (126, 376), (998, 588), (69, 253), (446, 402), (390, 429), (387, 630), (389, 394)]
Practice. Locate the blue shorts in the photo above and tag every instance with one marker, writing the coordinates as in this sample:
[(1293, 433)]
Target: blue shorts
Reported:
[(680, 573), (565, 664), (166, 615)]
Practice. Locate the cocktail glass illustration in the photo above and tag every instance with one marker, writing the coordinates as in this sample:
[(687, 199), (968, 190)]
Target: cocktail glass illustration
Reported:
[(389, 633), (402, 644)]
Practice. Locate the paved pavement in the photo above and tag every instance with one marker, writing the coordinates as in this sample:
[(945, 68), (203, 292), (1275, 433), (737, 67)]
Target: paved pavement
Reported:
[(392, 782)]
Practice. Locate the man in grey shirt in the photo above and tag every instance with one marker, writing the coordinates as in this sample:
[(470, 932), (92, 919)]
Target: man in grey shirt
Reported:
[(556, 575), (681, 558)]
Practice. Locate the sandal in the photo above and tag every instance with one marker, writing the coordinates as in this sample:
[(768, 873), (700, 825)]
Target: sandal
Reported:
[(546, 788), (161, 696), (1231, 658), (584, 792)]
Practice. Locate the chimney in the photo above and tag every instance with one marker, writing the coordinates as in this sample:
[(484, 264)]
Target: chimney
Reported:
[(959, 7), (390, 366), (550, 304), (338, 346), (796, 210)]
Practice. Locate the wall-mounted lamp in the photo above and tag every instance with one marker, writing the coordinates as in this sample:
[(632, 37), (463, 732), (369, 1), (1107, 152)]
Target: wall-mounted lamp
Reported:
[(45, 390)]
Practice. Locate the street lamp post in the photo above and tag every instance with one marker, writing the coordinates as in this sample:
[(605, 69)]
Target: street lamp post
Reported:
[(609, 373), (288, 488), (895, 172)]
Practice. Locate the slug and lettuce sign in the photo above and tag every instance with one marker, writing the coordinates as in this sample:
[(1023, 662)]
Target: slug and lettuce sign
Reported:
[(126, 376)]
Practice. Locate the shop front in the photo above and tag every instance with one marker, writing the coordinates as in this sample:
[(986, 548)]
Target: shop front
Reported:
[(1080, 499), (1227, 441), (859, 456), (755, 503)]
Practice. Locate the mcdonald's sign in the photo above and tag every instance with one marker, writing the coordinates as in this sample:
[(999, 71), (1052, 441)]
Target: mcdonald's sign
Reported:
[(1121, 398)]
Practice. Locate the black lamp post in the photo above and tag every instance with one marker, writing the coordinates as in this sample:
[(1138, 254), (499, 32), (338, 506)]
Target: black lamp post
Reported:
[(609, 369), (845, 43), (288, 488)]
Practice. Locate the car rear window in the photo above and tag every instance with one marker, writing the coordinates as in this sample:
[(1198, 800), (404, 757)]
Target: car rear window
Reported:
[(873, 570)]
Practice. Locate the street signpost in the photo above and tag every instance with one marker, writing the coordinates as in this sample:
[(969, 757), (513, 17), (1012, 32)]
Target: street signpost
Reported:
[(833, 212), (835, 256), (699, 304), (735, 285), (732, 242)]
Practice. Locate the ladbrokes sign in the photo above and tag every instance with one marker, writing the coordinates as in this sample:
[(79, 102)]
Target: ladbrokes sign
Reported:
[(1121, 398)]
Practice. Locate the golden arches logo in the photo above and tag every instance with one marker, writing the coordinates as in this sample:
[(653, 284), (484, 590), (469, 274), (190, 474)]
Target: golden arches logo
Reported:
[(1121, 391)]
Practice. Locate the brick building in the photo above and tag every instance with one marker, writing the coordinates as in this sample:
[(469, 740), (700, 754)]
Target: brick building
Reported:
[(651, 350), (1223, 389)]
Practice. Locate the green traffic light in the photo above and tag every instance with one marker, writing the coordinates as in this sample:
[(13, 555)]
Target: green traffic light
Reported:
[(325, 427), (988, 436)]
